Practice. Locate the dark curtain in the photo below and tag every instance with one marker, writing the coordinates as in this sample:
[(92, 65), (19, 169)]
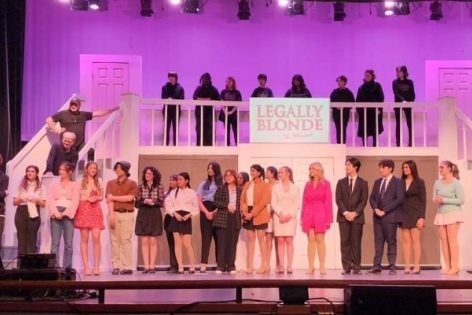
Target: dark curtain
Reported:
[(12, 32)]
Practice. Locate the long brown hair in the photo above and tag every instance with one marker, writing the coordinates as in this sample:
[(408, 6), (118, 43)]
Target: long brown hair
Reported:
[(84, 182), (24, 182)]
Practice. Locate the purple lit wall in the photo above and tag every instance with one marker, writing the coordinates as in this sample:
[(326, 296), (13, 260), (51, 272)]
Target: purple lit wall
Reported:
[(217, 42)]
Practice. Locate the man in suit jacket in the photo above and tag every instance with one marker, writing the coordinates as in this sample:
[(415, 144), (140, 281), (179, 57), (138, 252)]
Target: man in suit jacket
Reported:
[(351, 198), (386, 200)]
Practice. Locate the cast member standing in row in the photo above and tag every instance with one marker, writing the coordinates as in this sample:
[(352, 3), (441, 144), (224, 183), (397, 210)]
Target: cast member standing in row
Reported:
[(351, 198), (89, 216), (229, 114), (60, 153), (29, 197), (414, 210), (298, 88), (227, 222), (262, 90), (121, 193), (63, 200), (341, 115), (317, 215), (242, 179), (254, 200), (386, 200), (74, 120), (271, 177), (149, 201), (3, 193), (370, 123), (204, 115), (206, 194), (449, 195), (404, 92), (285, 202), (182, 205), (172, 113), (173, 266)]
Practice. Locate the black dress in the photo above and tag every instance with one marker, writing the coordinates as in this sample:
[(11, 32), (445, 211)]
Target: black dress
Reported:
[(149, 218), (370, 92), (414, 204)]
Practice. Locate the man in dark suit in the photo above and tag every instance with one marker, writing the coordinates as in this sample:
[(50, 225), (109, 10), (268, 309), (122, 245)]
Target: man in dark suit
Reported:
[(351, 198), (386, 200)]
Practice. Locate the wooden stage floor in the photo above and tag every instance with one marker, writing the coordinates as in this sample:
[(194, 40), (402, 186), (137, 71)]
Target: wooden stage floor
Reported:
[(163, 293)]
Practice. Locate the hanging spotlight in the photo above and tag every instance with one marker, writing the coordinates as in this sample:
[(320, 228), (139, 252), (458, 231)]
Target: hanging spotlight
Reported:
[(339, 13), (401, 7), (146, 8), (94, 4), (283, 3), (175, 2), (295, 7), (244, 11), (191, 6), (79, 5), (436, 11)]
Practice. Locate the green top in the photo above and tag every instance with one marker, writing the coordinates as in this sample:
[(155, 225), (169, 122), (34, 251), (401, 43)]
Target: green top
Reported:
[(452, 193)]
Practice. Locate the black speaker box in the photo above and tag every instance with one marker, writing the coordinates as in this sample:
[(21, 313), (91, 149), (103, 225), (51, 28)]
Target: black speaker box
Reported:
[(297, 295), (390, 300), (37, 261)]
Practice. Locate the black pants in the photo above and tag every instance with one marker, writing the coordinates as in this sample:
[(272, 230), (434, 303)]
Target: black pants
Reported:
[(385, 233), (351, 237), (26, 230), (172, 120), (408, 117), (226, 246), (170, 241), (208, 232), (204, 121), (337, 122), (232, 124)]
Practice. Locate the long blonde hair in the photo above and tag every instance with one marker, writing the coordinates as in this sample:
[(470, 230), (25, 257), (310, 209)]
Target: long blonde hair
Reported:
[(84, 182), (320, 168)]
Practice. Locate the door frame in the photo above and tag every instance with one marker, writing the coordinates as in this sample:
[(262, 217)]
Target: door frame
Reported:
[(86, 71), (432, 68)]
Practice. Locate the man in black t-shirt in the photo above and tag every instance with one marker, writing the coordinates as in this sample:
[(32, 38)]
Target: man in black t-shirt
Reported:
[(262, 90), (74, 120)]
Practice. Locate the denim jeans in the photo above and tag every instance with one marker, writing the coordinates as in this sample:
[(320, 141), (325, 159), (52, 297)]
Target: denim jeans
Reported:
[(58, 227)]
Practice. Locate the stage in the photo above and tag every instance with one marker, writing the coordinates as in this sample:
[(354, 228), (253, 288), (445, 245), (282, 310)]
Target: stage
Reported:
[(241, 293)]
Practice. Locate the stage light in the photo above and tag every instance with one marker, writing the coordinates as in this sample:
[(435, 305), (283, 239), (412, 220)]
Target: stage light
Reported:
[(436, 11), (339, 13), (396, 7), (146, 8), (94, 4), (244, 11), (295, 7), (283, 3), (175, 2), (79, 5), (389, 4), (191, 6)]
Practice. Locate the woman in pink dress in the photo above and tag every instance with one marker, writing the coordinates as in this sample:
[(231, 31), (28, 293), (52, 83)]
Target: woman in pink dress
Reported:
[(89, 217), (317, 215)]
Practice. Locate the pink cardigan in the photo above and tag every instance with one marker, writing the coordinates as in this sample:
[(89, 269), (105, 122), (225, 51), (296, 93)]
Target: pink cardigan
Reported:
[(72, 193)]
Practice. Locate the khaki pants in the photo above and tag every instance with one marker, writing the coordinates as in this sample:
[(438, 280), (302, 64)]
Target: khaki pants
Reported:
[(120, 238)]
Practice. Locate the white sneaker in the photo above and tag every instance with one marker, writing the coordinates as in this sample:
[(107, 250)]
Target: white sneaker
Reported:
[(233, 272), (218, 272)]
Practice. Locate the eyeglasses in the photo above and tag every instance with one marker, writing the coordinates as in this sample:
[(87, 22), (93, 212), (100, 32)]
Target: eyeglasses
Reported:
[(67, 141)]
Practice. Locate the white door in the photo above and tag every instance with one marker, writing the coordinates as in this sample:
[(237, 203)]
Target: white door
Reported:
[(457, 82)]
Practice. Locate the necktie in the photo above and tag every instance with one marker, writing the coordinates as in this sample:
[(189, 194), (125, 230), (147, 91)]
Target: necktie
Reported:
[(382, 188), (351, 180)]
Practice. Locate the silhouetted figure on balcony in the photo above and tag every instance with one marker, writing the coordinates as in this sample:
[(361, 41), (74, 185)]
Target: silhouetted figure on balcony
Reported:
[(173, 90), (404, 92), (341, 94), (204, 114), (370, 91), (298, 88), (229, 114), (262, 90)]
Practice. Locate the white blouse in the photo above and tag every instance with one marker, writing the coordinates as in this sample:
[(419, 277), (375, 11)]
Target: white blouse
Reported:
[(186, 200)]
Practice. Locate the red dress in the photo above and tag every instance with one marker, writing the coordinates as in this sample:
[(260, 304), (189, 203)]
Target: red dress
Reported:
[(317, 207), (89, 215)]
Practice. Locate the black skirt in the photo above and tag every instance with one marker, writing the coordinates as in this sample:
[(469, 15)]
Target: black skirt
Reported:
[(149, 221), (181, 227), (249, 224)]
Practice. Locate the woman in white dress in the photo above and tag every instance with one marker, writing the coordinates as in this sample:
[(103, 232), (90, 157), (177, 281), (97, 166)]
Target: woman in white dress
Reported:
[(285, 202)]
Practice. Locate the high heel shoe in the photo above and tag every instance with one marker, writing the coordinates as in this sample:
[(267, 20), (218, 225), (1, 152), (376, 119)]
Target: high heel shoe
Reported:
[(453, 272), (249, 271), (322, 271), (262, 271), (289, 271), (445, 271), (280, 272), (310, 271)]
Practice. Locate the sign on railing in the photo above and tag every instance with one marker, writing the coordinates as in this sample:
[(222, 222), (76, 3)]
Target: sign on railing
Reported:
[(289, 120)]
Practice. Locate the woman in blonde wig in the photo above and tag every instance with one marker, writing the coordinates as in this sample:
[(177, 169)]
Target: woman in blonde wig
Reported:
[(317, 215)]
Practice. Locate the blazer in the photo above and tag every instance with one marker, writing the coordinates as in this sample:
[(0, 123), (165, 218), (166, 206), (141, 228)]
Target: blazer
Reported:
[(262, 194), (221, 201), (351, 202), (391, 202), (415, 198)]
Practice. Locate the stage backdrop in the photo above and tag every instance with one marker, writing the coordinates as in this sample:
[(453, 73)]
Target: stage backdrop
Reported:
[(215, 41)]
